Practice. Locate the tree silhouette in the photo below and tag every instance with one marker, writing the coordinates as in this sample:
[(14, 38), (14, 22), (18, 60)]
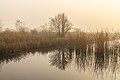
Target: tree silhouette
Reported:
[(60, 24), (20, 26)]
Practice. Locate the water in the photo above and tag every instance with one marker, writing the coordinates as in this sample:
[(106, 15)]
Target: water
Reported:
[(100, 61)]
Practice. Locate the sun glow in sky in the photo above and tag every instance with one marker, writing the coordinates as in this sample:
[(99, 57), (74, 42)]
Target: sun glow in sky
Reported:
[(85, 14)]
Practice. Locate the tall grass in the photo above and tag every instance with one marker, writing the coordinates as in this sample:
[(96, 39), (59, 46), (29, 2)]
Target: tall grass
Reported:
[(11, 41)]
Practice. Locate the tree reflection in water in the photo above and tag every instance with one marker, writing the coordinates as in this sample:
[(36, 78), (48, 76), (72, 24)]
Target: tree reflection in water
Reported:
[(61, 58), (100, 58)]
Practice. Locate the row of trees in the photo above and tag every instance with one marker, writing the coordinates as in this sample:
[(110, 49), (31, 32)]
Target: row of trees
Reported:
[(59, 24)]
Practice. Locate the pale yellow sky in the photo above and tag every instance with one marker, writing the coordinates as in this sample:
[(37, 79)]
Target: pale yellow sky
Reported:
[(86, 14)]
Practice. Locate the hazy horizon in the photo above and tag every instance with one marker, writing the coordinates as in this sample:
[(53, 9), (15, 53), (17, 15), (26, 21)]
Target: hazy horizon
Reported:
[(85, 14)]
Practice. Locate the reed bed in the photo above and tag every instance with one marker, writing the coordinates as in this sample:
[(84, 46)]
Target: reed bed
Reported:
[(11, 41)]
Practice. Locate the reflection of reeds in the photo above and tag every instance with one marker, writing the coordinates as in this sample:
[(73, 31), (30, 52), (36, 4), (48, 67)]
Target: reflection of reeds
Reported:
[(88, 51)]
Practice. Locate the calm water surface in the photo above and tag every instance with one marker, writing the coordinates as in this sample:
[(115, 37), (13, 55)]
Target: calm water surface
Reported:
[(100, 61)]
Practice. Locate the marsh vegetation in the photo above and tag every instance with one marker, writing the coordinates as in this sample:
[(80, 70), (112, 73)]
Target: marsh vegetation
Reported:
[(100, 59), (97, 51)]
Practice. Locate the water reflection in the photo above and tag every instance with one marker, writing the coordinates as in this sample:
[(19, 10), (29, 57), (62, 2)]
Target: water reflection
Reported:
[(100, 58), (61, 58)]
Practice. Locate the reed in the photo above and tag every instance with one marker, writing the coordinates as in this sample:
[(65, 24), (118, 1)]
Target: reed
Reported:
[(11, 41)]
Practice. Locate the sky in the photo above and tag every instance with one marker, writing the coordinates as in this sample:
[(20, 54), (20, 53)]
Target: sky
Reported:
[(84, 14)]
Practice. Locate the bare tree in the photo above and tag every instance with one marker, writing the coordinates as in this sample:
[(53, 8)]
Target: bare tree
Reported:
[(20, 26), (60, 24)]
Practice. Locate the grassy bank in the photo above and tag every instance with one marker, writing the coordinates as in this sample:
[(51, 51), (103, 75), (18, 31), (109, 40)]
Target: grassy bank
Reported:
[(11, 41)]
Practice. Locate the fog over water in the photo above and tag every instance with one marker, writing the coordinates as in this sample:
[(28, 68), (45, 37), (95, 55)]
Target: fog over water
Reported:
[(86, 14)]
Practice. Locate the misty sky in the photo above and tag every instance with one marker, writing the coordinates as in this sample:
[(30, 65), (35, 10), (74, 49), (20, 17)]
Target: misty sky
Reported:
[(86, 14)]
